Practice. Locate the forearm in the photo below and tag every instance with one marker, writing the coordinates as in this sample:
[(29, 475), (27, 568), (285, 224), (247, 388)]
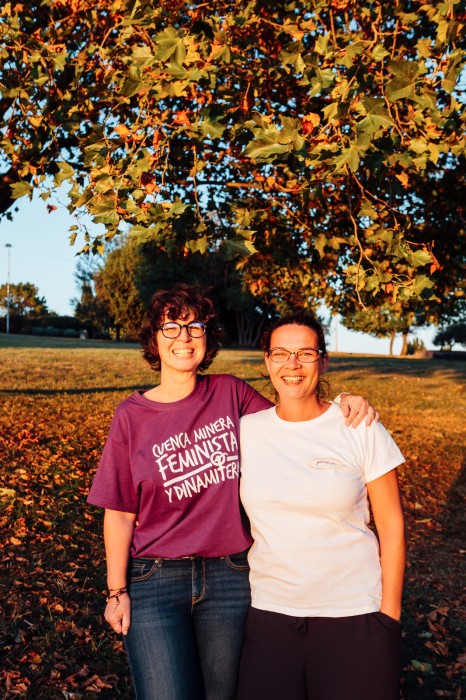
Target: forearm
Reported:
[(385, 500), (118, 535), (392, 559)]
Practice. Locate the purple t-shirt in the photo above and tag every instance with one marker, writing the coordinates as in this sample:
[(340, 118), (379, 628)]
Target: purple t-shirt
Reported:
[(176, 466)]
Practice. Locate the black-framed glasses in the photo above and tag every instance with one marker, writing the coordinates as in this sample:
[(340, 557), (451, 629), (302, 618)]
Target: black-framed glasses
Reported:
[(171, 329), (303, 354)]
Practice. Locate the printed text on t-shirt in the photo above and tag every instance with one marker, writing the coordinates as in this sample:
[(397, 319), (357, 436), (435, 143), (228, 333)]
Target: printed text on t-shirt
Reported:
[(189, 463)]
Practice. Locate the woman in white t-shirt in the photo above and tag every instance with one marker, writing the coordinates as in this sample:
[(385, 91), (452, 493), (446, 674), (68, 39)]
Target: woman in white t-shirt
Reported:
[(326, 594)]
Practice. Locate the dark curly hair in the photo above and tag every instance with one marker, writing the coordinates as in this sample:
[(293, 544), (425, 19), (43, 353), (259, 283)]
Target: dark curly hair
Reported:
[(300, 318), (180, 302)]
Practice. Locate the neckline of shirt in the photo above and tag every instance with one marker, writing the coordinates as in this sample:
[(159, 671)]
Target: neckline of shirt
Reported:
[(296, 425), (197, 393)]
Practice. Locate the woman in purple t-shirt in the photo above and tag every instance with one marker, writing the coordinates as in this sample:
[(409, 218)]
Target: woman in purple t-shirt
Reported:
[(176, 537)]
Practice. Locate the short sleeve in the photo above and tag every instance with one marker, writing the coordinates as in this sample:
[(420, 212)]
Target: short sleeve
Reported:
[(113, 484), (381, 454), (251, 401)]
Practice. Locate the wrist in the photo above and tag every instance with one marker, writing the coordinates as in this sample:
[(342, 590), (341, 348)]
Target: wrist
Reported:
[(116, 595), (391, 611), (116, 586)]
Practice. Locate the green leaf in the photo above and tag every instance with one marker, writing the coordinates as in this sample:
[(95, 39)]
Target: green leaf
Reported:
[(210, 128), (321, 45), (420, 283), (379, 53), (455, 66), (420, 257), (247, 234), (330, 111), (177, 208), (367, 210), (418, 146), (132, 86), (170, 45), (265, 149), (319, 243), (399, 89), (348, 156), (421, 666), (403, 85), (377, 116), (143, 56), (20, 189), (199, 245), (102, 203), (292, 56), (240, 245)]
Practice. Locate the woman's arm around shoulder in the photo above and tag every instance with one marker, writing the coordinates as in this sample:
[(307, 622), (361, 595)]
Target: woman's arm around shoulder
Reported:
[(355, 409)]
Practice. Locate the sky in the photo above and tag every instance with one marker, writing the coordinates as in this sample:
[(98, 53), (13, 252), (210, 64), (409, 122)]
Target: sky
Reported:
[(40, 253)]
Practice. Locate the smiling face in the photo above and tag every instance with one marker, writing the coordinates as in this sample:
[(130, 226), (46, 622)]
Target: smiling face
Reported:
[(295, 380), (182, 354)]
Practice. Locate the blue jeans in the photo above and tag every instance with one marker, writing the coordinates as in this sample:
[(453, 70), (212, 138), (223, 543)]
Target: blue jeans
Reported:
[(187, 623)]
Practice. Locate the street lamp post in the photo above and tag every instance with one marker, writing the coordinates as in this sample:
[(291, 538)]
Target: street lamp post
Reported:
[(8, 245)]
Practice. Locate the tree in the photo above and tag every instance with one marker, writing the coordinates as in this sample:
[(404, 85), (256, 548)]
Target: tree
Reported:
[(133, 271), (435, 201), (91, 311), (199, 124), (380, 322), (24, 300), (449, 335)]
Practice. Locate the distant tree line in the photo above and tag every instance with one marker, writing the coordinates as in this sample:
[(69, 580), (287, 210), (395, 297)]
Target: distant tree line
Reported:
[(114, 292), (29, 313)]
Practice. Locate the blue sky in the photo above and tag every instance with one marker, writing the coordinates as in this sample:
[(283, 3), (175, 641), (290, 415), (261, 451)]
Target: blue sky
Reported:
[(41, 254)]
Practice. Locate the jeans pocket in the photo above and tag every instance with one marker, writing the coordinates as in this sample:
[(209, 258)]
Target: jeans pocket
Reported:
[(388, 622), (141, 569), (238, 561)]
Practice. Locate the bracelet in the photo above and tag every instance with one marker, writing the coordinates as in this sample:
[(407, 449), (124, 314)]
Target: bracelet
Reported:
[(116, 595)]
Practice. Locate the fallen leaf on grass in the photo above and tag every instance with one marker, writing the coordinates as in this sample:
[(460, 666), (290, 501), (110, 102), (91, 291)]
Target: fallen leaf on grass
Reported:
[(95, 684), (421, 666), (31, 658)]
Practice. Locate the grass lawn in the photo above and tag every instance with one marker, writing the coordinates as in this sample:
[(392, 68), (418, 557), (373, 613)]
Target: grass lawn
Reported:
[(57, 400)]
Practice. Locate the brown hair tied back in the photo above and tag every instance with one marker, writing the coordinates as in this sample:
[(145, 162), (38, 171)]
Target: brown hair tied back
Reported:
[(175, 303)]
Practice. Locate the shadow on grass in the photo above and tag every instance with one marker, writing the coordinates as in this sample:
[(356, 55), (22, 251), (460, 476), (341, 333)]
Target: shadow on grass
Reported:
[(59, 392), (51, 343), (394, 366)]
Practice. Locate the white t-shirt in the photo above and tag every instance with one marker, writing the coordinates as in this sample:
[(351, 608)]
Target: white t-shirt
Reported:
[(303, 485)]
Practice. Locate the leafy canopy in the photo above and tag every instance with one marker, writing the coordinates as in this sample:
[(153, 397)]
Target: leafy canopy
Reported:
[(245, 124)]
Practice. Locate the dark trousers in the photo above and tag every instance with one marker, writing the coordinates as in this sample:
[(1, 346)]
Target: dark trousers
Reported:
[(320, 658)]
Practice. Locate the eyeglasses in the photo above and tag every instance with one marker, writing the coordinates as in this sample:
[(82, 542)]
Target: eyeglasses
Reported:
[(303, 355), (196, 329)]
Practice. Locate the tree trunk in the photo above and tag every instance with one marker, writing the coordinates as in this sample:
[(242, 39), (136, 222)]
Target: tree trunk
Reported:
[(404, 348), (392, 340), (248, 330), (6, 180)]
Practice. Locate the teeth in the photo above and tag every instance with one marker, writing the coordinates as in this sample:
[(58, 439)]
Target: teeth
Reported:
[(293, 380), (183, 352)]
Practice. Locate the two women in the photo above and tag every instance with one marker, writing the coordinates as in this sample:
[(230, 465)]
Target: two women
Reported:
[(175, 533), (326, 604)]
